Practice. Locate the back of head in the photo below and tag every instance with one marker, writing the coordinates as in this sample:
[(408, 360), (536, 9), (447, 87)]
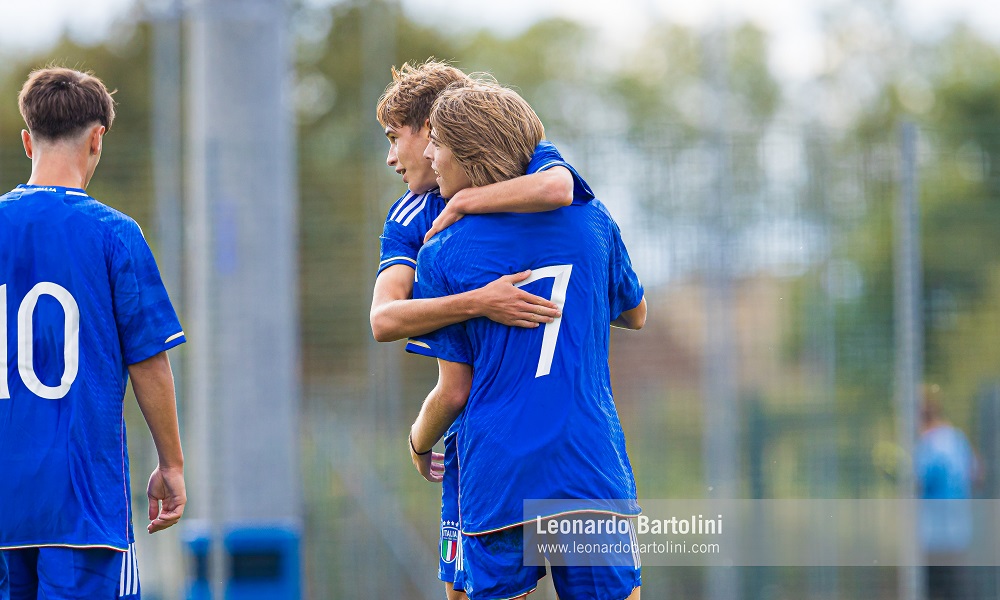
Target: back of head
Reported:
[(59, 103), (490, 129), (407, 101)]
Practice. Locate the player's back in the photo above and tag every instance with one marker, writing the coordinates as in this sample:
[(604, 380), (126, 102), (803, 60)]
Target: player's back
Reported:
[(67, 268), (541, 420)]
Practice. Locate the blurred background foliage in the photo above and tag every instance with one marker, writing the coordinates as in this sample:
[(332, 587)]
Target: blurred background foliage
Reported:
[(820, 155)]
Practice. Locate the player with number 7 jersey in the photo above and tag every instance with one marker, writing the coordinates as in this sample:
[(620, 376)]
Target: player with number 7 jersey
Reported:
[(536, 418), (540, 421)]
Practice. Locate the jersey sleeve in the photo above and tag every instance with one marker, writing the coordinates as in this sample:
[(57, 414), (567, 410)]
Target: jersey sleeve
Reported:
[(625, 290), (147, 323), (449, 343), (401, 236), (547, 156)]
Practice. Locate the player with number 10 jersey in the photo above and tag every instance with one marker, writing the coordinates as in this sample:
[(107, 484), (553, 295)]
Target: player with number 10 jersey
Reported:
[(80, 298)]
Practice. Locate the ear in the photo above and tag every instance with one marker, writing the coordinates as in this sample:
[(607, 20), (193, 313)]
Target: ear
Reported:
[(425, 129), (96, 137), (26, 142)]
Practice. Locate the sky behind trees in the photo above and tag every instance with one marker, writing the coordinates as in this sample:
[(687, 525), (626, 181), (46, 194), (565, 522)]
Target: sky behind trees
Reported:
[(794, 27)]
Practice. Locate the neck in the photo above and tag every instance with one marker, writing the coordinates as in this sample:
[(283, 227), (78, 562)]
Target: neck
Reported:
[(934, 424), (62, 177), (61, 166)]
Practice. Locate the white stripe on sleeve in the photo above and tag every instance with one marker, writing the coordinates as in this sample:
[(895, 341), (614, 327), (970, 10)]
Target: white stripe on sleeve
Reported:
[(423, 203), (401, 215), (402, 204)]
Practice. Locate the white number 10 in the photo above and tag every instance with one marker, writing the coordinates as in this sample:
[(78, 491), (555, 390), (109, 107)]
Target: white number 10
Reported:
[(550, 335), (25, 341)]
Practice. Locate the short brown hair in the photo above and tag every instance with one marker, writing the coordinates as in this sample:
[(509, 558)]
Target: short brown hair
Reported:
[(408, 99), (490, 129), (58, 103)]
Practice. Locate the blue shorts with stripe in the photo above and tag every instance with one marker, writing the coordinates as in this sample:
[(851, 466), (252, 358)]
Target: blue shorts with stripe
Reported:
[(60, 573), (494, 566), (450, 556)]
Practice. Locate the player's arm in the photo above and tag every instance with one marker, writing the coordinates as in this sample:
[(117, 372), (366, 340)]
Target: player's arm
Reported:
[(632, 319), (395, 316), (153, 383), (537, 192), (440, 409)]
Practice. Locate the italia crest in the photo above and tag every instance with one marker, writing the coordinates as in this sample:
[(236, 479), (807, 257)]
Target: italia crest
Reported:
[(449, 544)]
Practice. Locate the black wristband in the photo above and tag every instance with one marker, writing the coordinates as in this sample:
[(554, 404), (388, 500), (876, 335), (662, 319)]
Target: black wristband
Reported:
[(414, 448)]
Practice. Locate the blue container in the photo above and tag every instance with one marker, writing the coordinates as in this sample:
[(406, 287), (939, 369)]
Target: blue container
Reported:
[(262, 563), (197, 546)]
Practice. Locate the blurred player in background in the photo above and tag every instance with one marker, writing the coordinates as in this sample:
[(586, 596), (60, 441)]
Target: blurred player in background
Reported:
[(539, 421), (946, 468), (82, 308), (403, 110)]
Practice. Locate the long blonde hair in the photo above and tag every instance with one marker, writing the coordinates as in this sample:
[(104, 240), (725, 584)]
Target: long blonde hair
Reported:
[(491, 130)]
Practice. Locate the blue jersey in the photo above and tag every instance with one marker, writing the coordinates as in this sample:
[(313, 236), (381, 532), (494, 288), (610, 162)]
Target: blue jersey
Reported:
[(945, 464), (80, 299), (540, 422), (945, 467), (411, 217)]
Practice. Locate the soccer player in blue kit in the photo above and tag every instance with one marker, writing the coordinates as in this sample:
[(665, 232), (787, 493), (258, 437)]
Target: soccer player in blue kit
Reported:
[(536, 417), (82, 308), (403, 110)]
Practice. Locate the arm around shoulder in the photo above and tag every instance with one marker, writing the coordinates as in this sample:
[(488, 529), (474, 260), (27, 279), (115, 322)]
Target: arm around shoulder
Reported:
[(555, 187), (535, 192)]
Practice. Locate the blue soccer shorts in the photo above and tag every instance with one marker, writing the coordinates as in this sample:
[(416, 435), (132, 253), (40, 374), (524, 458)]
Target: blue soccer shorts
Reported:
[(4, 580), (58, 573), (494, 569), (449, 566)]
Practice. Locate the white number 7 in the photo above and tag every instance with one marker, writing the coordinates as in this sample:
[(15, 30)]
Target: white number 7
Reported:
[(561, 274)]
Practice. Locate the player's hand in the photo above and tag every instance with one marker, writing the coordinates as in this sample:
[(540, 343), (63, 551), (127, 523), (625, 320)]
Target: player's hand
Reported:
[(430, 465), (166, 498), (500, 301), (448, 217)]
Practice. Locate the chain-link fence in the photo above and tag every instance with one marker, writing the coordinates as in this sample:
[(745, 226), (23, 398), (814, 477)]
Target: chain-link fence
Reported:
[(776, 243), (782, 249)]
